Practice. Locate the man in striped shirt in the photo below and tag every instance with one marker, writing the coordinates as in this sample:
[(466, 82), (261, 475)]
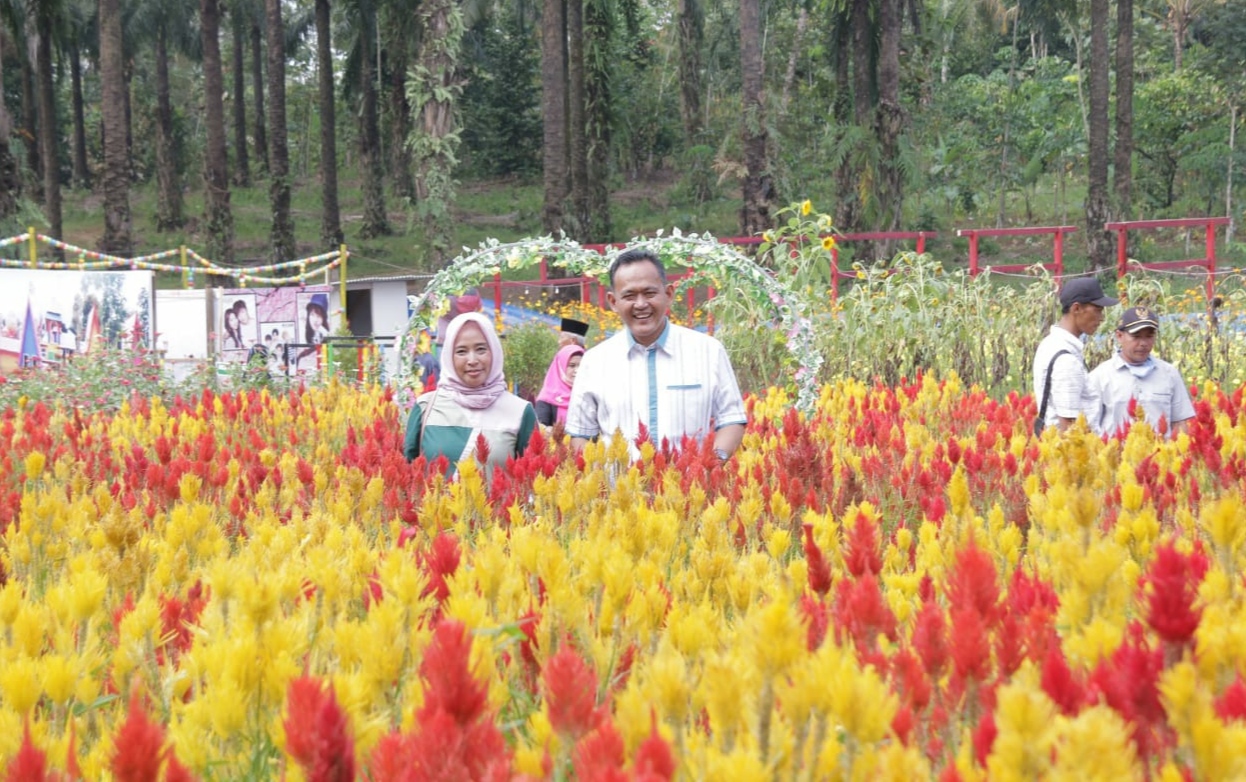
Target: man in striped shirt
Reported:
[(1060, 356), (672, 381)]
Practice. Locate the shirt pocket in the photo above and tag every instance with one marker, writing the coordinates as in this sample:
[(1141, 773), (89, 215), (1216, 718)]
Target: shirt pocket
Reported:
[(689, 408)]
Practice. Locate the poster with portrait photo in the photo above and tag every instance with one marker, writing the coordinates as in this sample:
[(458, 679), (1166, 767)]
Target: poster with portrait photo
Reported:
[(316, 323), (276, 336), (284, 310), (237, 326)]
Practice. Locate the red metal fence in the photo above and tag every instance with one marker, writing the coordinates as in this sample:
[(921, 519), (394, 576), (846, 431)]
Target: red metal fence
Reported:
[(591, 289)]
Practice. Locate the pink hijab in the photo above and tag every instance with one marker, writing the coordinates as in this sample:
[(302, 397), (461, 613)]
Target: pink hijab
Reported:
[(495, 384), (557, 388)]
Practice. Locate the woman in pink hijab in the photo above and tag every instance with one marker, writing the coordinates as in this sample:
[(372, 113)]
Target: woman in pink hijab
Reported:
[(555, 396)]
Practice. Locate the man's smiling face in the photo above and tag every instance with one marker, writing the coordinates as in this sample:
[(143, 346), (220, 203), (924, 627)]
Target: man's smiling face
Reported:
[(641, 299)]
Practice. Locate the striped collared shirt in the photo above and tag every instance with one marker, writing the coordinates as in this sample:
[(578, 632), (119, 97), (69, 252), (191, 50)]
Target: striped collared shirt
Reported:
[(682, 385), (1071, 394)]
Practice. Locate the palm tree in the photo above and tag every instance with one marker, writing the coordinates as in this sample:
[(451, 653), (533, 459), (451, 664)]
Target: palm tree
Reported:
[(554, 111), (599, 26), (10, 182), (257, 83), (1099, 243), (167, 24), (758, 187), (401, 34), (375, 217), (691, 34), (239, 23), (577, 128), (219, 219), (330, 215), (889, 118), (433, 91), (43, 15), (117, 238), (279, 153), (77, 28), (1122, 174)]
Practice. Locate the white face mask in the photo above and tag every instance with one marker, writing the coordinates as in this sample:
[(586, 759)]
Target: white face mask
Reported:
[(1142, 370)]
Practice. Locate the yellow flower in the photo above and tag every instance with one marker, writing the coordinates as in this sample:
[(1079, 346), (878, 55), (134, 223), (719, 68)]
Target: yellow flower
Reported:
[(828, 243), (806, 207), (35, 461)]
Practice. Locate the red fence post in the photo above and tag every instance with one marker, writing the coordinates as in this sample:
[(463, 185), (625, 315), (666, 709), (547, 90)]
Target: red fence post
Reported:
[(497, 297), (1211, 263), (973, 253), (835, 274), (1059, 253), (1122, 247)]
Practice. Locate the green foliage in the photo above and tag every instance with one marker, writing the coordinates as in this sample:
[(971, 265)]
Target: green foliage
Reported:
[(501, 103), (529, 350), (104, 379)]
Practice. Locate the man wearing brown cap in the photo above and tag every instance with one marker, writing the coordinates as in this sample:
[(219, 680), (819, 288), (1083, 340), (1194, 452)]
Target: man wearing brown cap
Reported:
[(1061, 390), (1134, 374)]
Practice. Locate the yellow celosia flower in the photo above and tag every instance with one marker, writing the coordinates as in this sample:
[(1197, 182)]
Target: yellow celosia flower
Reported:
[(1024, 718), (1096, 745)]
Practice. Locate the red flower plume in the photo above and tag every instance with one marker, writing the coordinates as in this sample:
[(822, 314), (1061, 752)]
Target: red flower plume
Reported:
[(138, 747), (30, 764), (1174, 579), (440, 562), (570, 692), (317, 732), (819, 570)]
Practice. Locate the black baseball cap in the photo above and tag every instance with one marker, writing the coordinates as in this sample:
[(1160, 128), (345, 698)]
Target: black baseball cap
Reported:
[(1084, 290), (1136, 319)]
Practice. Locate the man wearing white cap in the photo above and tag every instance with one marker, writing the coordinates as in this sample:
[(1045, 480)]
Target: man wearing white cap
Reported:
[(1061, 389), (1134, 374)]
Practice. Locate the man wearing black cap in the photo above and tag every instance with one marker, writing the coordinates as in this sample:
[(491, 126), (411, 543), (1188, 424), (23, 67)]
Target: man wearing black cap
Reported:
[(572, 332), (1061, 389), (1134, 374)]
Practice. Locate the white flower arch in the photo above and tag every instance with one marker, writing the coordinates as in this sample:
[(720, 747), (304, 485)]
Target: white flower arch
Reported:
[(720, 263)]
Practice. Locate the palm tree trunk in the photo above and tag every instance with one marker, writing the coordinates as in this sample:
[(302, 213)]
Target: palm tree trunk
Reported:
[(862, 111), (219, 227), (889, 119), (758, 188), (598, 35), (242, 166), (10, 182), (691, 34), (47, 124), (117, 238), (846, 203), (82, 172), (789, 78), (433, 95), (30, 128), (257, 92), (1123, 155), (375, 217), (330, 214), (1099, 244), (168, 174), (279, 154), (554, 113), (400, 173), (577, 141)]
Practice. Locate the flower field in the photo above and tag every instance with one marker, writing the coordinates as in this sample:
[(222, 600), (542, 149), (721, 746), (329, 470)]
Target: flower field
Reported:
[(904, 585)]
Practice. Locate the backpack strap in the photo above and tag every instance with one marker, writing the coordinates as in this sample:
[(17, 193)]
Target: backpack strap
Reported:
[(1042, 409)]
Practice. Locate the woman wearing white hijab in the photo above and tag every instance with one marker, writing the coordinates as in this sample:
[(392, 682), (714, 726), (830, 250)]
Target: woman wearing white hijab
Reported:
[(471, 402)]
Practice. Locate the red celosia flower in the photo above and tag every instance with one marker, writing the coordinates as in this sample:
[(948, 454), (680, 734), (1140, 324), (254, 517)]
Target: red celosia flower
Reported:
[(1231, 705), (861, 611), (600, 754), (30, 764), (1060, 683), (973, 584), (451, 686), (930, 639), (1174, 579), (862, 555), (816, 614), (910, 679), (138, 746), (984, 738), (1129, 681), (570, 692), (654, 761), (971, 652), (317, 732), (902, 724), (174, 771), (440, 562), (819, 570)]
